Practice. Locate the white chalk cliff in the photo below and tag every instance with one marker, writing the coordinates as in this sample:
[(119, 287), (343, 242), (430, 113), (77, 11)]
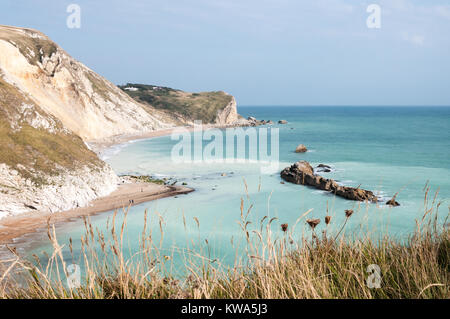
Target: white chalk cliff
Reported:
[(50, 106), (86, 103)]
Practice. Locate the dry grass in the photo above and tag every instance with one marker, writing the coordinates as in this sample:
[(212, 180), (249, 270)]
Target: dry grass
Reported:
[(326, 265), (36, 149), (32, 44)]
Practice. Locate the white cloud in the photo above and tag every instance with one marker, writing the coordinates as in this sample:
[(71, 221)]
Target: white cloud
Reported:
[(415, 39), (334, 6), (418, 40), (443, 11)]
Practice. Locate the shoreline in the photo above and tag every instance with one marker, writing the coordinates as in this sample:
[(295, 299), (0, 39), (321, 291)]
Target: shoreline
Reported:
[(99, 146), (14, 227)]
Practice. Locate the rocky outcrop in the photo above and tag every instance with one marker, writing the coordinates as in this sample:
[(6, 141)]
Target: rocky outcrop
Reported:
[(301, 149), (228, 115), (67, 190), (303, 173), (392, 201), (251, 121)]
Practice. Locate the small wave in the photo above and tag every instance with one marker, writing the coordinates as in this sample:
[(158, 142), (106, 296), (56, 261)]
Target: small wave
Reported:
[(319, 192), (319, 170), (112, 151), (159, 175)]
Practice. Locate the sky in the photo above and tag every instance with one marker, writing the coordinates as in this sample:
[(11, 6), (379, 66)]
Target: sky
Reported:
[(264, 52)]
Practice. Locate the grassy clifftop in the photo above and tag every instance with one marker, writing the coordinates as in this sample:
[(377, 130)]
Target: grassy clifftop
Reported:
[(32, 44), (191, 106)]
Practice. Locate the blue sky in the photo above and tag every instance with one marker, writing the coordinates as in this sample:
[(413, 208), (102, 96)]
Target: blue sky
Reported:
[(277, 52)]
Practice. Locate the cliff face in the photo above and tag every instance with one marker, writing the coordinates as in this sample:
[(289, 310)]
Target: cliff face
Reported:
[(228, 115), (51, 104), (43, 165), (66, 190), (85, 103), (48, 103)]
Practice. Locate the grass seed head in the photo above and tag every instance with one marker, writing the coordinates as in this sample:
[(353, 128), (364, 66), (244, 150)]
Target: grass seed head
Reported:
[(348, 212), (313, 222)]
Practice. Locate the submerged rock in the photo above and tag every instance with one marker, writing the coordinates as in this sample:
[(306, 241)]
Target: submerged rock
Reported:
[(302, 173)]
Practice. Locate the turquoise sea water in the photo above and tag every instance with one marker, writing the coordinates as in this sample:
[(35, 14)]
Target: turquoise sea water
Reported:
[(387, 150)]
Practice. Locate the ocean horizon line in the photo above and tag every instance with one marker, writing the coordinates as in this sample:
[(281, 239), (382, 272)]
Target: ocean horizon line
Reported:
[(368, 106)]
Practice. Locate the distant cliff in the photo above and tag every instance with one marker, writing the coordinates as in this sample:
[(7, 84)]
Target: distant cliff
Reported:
[(185, 107)]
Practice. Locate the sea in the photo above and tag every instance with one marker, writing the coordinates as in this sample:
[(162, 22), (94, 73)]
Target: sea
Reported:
[(402, 151)]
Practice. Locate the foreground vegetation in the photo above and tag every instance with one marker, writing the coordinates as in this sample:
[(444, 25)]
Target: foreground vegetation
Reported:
[(319, 265)]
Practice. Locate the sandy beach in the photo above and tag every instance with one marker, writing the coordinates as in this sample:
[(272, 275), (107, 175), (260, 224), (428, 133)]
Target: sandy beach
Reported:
[(139, 192), (16, 226)]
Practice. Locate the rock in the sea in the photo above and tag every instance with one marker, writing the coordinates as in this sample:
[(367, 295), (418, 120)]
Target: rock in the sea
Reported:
[(392, 202), (282, 122), (254, 122), (301, 149), (302, 173), (323, 168)]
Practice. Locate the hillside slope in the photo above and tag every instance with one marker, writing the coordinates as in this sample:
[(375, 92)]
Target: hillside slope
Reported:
[(43, 165), (51, 105), (209, 107), (86, 103)]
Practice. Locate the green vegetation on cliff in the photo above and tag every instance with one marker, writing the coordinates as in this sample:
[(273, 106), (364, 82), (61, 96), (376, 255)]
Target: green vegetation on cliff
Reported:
[(31, 43), (30, 148), (191, 106)]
